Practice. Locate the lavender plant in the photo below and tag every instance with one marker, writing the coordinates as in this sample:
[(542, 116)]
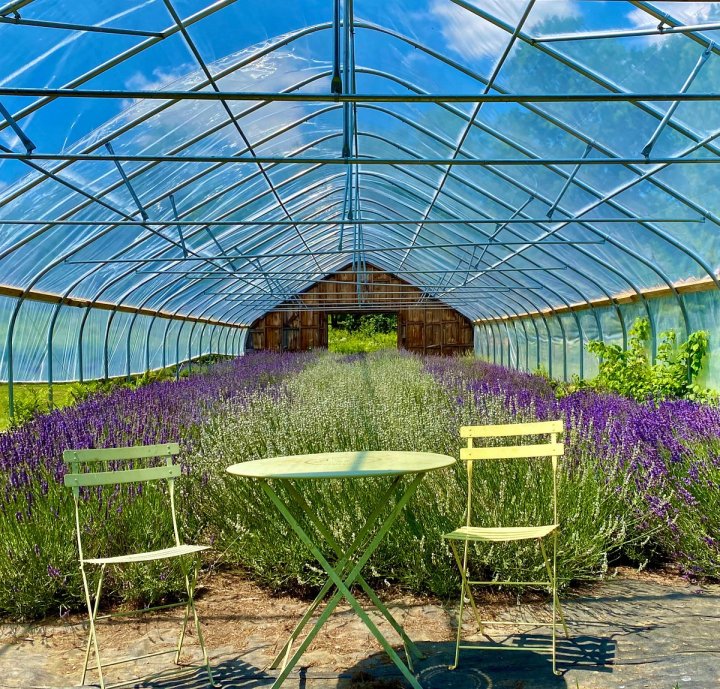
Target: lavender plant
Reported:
[(388, 401), (38, 560), (641, 480), (667, 453)]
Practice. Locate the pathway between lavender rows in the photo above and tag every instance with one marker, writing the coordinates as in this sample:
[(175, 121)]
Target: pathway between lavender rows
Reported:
[(629, 632)]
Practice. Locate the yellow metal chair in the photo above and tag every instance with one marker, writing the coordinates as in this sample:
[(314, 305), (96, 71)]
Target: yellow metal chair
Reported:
[(468, 533), (82, 475)]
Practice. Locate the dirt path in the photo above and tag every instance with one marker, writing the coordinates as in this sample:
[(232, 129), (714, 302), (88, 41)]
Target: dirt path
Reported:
[(626, 633)]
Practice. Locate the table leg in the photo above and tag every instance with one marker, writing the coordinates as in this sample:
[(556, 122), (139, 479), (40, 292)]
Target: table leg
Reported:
[(341, 565), (343, 585), (411, 650)]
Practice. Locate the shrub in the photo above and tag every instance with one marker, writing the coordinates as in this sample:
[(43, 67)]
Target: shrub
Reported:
[(629, 372)]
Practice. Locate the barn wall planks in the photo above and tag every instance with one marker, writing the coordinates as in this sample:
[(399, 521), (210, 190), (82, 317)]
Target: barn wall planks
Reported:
[(290, 331), (428, 329), (434, 331)]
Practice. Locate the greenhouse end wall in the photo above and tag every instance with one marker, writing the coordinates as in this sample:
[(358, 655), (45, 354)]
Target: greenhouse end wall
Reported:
[(556, 343)]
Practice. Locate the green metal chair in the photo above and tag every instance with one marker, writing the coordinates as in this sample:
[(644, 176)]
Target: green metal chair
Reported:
[(83, 465), (468, 533)]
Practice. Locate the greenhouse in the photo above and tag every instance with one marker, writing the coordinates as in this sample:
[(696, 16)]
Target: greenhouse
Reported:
[(304, 266)]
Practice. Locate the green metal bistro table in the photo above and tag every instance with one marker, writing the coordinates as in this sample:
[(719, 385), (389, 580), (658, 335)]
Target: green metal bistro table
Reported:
[(347, 566)]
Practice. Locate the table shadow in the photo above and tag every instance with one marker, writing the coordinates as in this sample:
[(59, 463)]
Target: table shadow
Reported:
[(527, 665)]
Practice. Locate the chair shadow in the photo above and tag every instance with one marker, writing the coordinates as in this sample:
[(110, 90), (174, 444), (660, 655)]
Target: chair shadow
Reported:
[(528, 665), (230, 673)]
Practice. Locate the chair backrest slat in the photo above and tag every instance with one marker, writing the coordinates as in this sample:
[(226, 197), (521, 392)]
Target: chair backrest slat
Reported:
[(86, 470), (547, 450), (510, 429), (111, 454), (105, 478), (512, 451)]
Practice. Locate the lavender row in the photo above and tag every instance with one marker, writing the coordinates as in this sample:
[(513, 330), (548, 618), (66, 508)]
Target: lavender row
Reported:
[(669, 450), (156, 413)]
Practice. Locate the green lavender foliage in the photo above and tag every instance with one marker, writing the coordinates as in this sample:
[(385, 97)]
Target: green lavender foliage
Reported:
[(387, 401)]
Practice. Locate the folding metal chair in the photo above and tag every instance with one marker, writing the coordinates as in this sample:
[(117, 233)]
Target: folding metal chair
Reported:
[(469, 533), (83, 474)]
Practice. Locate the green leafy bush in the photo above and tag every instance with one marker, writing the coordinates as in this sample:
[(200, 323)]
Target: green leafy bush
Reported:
[(31, 401), (629, 372)]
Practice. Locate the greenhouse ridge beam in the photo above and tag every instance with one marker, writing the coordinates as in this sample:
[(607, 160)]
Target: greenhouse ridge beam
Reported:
[(276, 97), (324, 160), (339, 221), (52, 298), (364, 273), (374, 250)]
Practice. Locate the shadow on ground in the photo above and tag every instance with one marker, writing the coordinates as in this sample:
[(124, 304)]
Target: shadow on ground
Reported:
[(527, 666)]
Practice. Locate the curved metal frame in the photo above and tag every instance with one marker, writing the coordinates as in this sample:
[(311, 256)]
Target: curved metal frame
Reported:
[(446, 294)]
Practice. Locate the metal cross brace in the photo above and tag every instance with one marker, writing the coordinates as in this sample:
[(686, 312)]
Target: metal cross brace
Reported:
[(345, 573)]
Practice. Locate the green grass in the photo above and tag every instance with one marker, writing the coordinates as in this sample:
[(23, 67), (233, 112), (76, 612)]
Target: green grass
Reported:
[(346, 342), (28, 394)]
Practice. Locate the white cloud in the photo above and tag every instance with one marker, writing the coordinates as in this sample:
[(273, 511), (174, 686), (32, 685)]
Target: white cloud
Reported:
[(467, 33), (157, 79), (471, 36), (685, 12)]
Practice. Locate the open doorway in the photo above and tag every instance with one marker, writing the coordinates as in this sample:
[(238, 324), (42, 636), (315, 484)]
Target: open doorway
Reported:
[(349, 333)]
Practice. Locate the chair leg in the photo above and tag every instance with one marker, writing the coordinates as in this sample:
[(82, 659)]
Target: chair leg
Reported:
[(183, 629), (556, 607), (468, 591), (92, 634), (190, 584), (463, 589)]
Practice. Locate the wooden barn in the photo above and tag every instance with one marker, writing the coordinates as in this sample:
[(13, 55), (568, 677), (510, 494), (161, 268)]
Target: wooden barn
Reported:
[(425, 326)]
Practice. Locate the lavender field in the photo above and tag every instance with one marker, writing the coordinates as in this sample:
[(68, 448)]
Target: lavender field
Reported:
[(640, 482)]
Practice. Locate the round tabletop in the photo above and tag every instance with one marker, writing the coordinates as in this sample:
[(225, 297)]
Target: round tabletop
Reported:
[(342, 465)]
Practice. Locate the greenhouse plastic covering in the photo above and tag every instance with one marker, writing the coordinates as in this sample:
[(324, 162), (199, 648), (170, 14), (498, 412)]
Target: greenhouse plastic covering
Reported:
[(554, 160)]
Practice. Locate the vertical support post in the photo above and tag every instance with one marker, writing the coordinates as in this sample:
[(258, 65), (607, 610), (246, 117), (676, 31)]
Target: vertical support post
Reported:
[(244, 334), (128, 363), (81, 333), (163, 362), (147, 344), (177, 351), (50, 359), (527, 344), (106, 363), (200, 342), (558, 318), (189, 352), (517, 344)]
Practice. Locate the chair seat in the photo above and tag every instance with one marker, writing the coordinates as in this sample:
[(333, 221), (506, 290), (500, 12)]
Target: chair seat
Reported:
[(502, 533), (165, 553)]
